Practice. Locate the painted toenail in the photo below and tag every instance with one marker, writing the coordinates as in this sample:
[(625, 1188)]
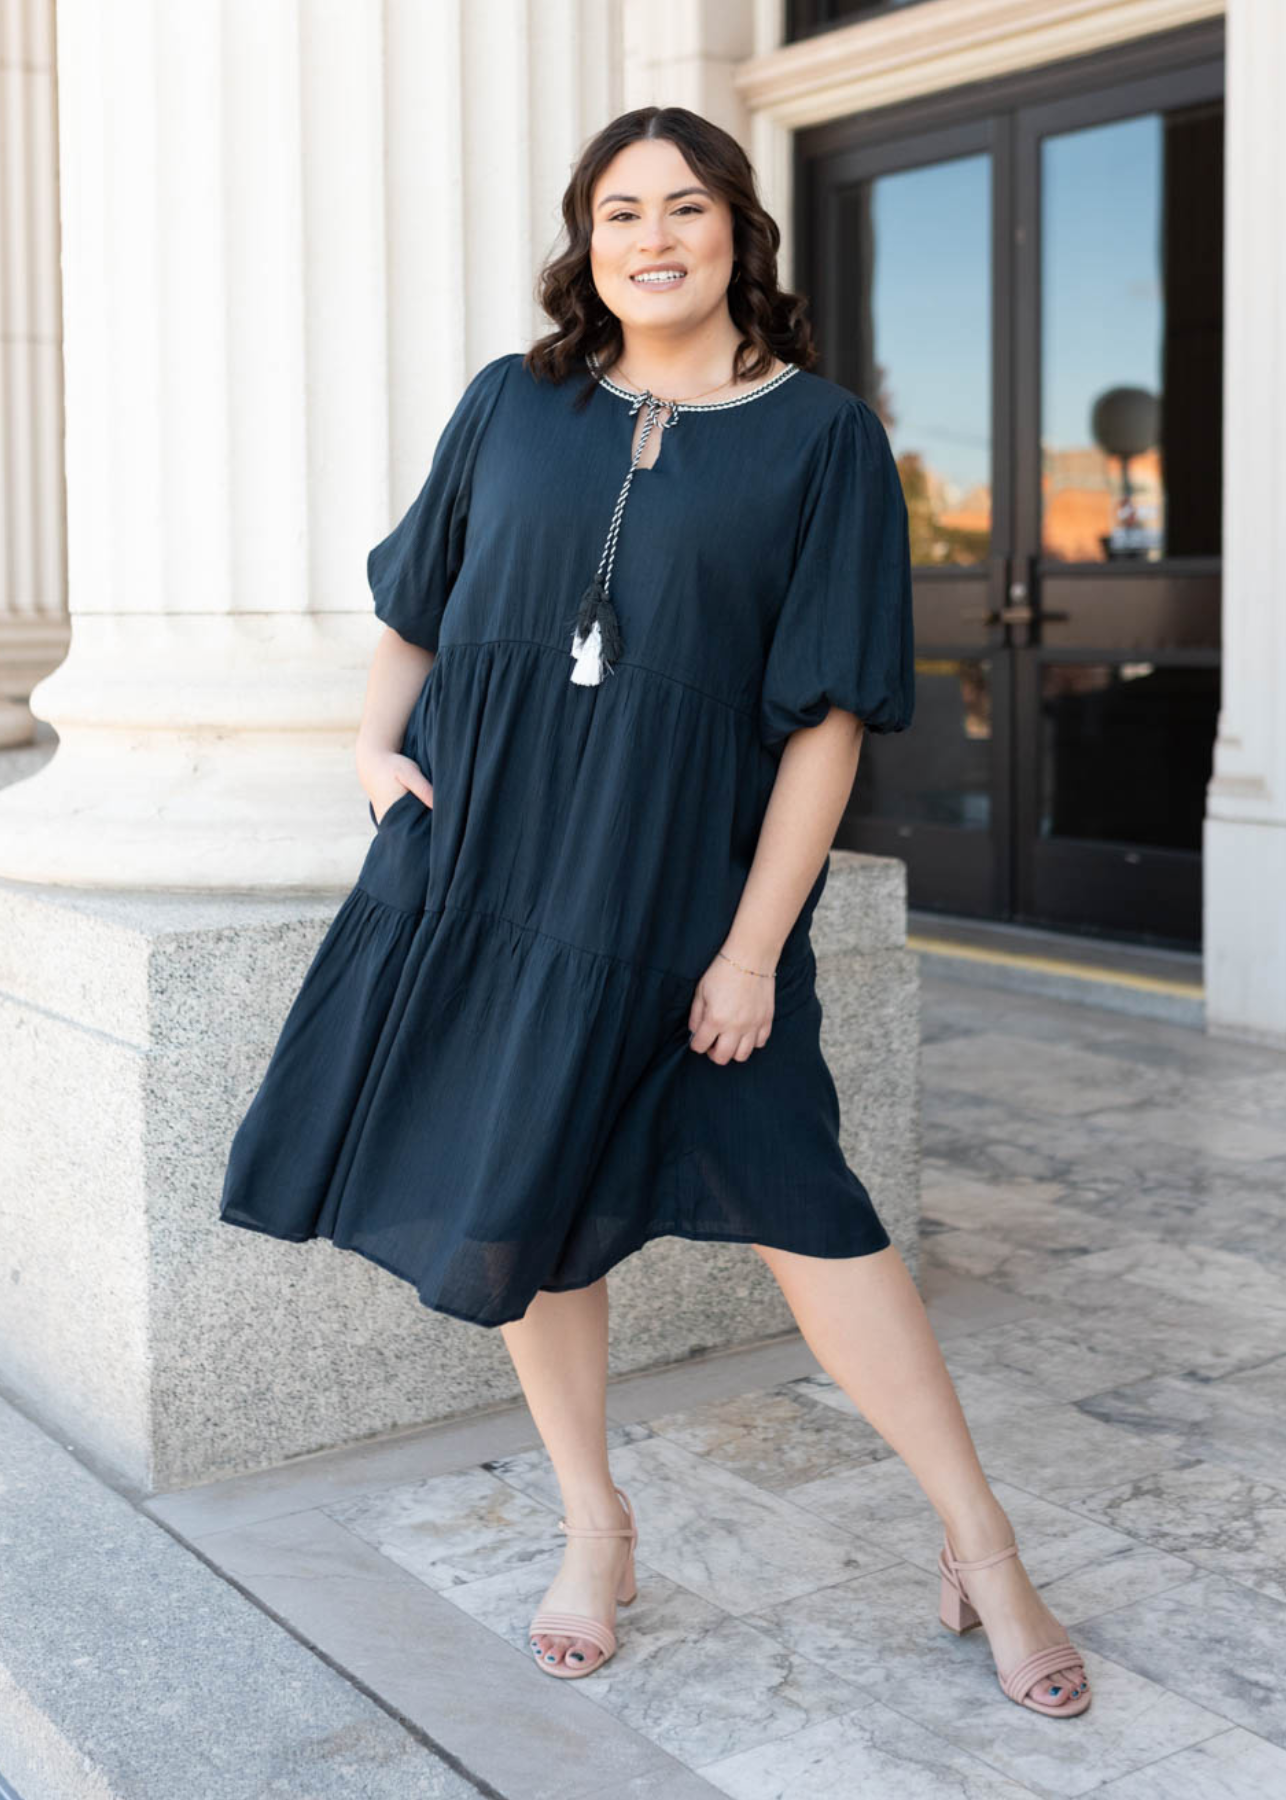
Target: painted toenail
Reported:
[(1054, 1691), (550, 1657), (575, 1656)]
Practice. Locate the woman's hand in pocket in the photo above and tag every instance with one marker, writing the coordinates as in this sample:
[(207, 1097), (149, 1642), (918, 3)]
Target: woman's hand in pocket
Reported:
[(387, 776)]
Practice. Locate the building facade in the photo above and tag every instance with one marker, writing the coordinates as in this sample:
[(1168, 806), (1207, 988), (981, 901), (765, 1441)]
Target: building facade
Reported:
[(1043, 237)]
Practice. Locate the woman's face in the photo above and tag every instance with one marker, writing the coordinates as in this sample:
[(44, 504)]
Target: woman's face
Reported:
[(652, 213)]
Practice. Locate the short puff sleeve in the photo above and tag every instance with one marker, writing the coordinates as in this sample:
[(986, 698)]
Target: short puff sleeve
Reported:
[(844, 634), (412, 570)]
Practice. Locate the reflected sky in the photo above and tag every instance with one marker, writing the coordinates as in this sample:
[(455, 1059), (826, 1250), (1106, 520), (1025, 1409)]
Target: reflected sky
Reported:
[(932, 305), (1101, 275)]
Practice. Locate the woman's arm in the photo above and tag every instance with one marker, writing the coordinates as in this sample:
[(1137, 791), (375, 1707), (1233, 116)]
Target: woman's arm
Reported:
[(398, 672), (732, 1011)]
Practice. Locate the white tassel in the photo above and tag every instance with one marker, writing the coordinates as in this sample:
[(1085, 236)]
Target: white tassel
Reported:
[(588, 652)]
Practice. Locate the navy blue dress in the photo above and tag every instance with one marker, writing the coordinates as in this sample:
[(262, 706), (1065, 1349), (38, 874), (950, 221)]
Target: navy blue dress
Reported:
[(484, 1083)]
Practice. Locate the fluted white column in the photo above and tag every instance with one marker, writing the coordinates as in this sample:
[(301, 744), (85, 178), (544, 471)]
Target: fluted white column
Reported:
[(33, 582), (1245, 830), (290, 234)]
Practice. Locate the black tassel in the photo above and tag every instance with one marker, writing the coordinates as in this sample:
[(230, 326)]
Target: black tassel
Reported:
[(595, 603), (596, 609)]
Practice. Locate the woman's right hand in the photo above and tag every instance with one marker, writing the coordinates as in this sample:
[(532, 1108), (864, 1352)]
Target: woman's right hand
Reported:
[(386, 776)]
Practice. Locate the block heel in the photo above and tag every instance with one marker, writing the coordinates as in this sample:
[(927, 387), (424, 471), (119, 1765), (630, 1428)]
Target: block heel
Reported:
[(954, 1610)]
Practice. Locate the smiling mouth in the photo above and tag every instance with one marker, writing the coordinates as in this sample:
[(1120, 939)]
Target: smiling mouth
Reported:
[(671, 278)]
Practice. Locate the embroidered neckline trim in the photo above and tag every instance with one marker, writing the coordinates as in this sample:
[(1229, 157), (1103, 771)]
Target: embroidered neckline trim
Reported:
[(765, 387)]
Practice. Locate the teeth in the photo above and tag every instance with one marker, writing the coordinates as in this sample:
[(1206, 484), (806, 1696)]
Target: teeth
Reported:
[(660, 280)]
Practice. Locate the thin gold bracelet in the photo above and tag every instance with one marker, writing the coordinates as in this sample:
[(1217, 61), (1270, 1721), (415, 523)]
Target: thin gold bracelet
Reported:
[(765, 975)]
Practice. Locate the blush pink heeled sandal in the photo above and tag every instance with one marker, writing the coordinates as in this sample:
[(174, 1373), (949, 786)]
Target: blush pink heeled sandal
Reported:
[(959, 1615), (577, 1624)]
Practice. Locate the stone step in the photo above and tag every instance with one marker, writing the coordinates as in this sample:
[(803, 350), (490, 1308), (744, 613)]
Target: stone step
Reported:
[(1124, 977), (131, 1670)]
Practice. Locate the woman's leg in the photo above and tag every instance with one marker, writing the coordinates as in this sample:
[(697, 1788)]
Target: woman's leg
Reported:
[(559, 1349), (864, 1321)]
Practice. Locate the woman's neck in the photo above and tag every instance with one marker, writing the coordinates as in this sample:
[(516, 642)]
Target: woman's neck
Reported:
[(679, 370)]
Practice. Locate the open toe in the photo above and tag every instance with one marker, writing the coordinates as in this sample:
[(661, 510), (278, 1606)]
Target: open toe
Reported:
[(576, 1630), (1055, 1690), (1073, 1682)]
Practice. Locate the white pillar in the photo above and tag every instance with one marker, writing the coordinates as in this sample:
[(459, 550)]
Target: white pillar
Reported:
[(226, 451), (1245, 828), (290, 235), (33, 582)]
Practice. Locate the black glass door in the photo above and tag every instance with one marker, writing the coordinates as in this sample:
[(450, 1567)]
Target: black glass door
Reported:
[(1031, 299)]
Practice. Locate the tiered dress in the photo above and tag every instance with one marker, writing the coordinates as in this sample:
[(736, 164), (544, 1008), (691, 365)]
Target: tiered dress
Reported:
[(485, 1082)]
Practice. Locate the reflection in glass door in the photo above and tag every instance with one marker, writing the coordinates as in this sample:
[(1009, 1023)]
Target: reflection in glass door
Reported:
[(1116, 670), (918, 348), (930, 367), (1120, 300)]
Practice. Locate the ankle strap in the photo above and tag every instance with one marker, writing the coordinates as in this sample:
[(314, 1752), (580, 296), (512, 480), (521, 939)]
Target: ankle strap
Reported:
[(604, 1531), (982, 1562)]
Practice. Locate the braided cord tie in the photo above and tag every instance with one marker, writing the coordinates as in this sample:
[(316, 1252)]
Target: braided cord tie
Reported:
[(654, 406), (596, 637)]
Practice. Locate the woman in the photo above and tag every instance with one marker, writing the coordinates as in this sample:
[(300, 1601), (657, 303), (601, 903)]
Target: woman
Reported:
[(651, 594)]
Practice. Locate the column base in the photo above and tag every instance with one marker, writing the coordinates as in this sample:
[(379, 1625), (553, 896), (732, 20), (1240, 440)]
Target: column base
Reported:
[(198, 751), (1244, 864)]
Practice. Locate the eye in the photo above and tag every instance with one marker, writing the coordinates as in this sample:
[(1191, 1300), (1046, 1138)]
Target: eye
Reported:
[(688, 206)]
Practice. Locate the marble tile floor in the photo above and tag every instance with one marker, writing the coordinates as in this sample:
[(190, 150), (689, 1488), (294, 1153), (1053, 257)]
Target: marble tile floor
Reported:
[(1104, 1260)]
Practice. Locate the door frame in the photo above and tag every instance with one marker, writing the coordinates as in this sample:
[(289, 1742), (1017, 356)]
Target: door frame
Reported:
[(1165, 884), (982, 115)]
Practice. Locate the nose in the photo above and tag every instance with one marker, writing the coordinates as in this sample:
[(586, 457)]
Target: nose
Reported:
[(655, 234)]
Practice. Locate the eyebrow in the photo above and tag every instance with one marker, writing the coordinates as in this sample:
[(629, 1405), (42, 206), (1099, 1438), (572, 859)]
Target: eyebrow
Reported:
[(633, 199)]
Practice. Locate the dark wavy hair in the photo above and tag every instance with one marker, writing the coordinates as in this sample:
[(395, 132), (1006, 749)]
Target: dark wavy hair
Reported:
[(773, 322)]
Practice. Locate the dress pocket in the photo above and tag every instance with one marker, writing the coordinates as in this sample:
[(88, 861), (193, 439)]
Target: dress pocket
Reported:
[(383, 820), (397, 866)]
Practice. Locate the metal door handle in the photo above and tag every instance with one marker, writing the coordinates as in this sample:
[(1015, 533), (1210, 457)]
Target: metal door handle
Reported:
[(1008, 615)]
